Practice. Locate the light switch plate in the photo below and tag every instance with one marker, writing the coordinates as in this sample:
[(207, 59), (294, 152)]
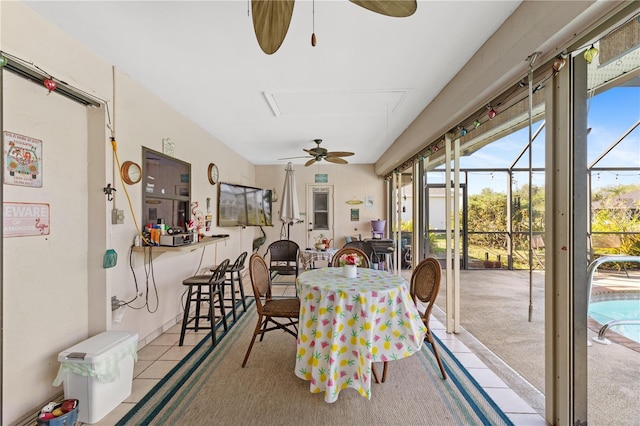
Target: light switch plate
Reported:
[(117, 217)]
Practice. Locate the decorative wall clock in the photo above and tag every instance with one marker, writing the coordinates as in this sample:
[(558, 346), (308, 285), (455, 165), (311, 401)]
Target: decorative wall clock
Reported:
[(213, 174), (131, 172)]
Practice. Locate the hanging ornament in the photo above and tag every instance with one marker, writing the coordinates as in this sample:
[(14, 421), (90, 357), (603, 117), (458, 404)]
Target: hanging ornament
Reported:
[(559, 63), (476, 124), (50, 84), (491, 113), (3, 61), (590, 54), (463, 131)]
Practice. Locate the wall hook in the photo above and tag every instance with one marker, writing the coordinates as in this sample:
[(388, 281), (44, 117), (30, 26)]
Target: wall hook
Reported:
[(108, 190)]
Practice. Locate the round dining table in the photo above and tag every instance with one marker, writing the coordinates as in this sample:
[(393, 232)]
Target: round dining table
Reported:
[(346, 324)]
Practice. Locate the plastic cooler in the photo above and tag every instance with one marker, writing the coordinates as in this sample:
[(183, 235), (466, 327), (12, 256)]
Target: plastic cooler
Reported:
[(98, 372)]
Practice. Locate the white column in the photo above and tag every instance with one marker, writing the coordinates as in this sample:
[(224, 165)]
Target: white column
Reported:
[(456, 234)]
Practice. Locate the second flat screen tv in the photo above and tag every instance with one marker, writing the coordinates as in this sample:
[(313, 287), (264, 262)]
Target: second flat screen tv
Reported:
[(240, 205)]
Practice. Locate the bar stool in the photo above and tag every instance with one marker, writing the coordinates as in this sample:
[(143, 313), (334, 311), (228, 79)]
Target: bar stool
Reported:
[(235, 274), (197, 294), (388, 253)]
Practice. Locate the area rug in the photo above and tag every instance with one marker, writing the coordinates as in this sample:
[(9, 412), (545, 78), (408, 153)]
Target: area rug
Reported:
[(210, 387)]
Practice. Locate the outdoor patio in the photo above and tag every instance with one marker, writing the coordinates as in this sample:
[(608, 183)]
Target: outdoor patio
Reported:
[(494, 318)]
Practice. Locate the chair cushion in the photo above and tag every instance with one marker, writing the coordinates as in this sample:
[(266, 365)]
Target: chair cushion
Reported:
[(284, 270), (282, 307)]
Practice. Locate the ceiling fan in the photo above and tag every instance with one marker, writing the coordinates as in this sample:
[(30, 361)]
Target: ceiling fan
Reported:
[(319, 154), (271, 18)]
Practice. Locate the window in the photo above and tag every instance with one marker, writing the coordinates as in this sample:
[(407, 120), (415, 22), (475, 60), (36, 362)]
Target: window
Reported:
[(320, 210), (166, 190)]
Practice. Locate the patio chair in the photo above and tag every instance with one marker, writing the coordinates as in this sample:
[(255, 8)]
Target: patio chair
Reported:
[(335, 261), (365, 246), (425, 283), (270, 309), (283, 260), (607, 245)]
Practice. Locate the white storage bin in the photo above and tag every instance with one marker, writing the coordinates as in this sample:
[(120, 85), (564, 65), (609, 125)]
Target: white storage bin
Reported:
[(98, 372)]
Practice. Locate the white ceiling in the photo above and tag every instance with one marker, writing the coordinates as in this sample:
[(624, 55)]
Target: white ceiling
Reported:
[(366, 80)]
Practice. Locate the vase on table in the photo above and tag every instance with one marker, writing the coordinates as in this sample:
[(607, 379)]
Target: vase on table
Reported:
[(349, 271)]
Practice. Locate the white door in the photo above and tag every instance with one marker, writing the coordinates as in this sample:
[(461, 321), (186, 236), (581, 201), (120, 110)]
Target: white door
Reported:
[(319, 217), (30, 262)]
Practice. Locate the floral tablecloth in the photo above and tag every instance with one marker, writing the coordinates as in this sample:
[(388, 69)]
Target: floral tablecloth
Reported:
[(309, 256), (348, 323)]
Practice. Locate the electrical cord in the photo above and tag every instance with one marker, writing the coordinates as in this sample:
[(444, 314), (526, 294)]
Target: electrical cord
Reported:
[(148, 260), (114, 146), (149, 272)]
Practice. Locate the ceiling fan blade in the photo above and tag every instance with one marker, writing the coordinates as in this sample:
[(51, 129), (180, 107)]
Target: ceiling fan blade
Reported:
[(310, 162), (292, 158), (395, 8), (336, 160), (271, 19), (311, 151), (339, 154)]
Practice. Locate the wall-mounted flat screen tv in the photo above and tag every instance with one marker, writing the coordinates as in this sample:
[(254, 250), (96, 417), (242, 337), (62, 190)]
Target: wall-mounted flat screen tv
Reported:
[(240, 205)]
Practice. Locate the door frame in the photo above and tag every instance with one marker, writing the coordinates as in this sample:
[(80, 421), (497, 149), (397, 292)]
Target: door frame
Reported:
[(309, 216)]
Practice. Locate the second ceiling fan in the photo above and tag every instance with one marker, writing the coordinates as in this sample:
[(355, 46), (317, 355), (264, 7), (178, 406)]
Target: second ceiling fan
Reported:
[(271, 18), (319, 154)]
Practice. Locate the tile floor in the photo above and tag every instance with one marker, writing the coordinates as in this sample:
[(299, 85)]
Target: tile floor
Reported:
[(160, 355)]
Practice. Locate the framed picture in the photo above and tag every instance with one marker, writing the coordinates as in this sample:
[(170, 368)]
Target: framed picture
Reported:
[(355, 215), (322, 178), (368, 201)]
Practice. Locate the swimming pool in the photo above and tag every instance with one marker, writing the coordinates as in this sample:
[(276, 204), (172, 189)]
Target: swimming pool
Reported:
[(607, 310)]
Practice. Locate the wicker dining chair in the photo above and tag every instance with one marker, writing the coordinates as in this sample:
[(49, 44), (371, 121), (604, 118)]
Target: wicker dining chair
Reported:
[(282, 261), (335, 260), (269, 309), (365, 246), (425, 283)]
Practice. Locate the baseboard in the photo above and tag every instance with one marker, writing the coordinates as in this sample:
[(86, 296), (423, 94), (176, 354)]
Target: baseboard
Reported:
[(159, 331), (30, 418)]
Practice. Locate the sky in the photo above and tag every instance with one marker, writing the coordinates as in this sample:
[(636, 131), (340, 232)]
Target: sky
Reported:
[(611, 114)]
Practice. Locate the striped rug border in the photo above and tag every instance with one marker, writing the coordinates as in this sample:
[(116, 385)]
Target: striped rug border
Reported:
[(195, 362), (465, 390)]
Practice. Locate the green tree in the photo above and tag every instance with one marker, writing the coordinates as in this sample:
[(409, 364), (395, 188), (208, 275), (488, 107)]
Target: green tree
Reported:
[(614, 210), (487, 212)]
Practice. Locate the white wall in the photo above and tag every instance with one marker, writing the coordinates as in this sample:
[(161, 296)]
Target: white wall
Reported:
[(349, 181), (45, 294), (55, 291)]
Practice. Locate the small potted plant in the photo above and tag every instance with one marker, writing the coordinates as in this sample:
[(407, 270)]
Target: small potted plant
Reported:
[(349, 263), (320, 245)]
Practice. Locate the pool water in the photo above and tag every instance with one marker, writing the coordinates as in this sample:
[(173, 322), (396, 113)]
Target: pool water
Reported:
[(608, 310)]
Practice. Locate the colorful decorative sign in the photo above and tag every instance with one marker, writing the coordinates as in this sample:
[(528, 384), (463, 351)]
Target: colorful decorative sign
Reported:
[(322, 178), (23, 160), (25, 219)]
